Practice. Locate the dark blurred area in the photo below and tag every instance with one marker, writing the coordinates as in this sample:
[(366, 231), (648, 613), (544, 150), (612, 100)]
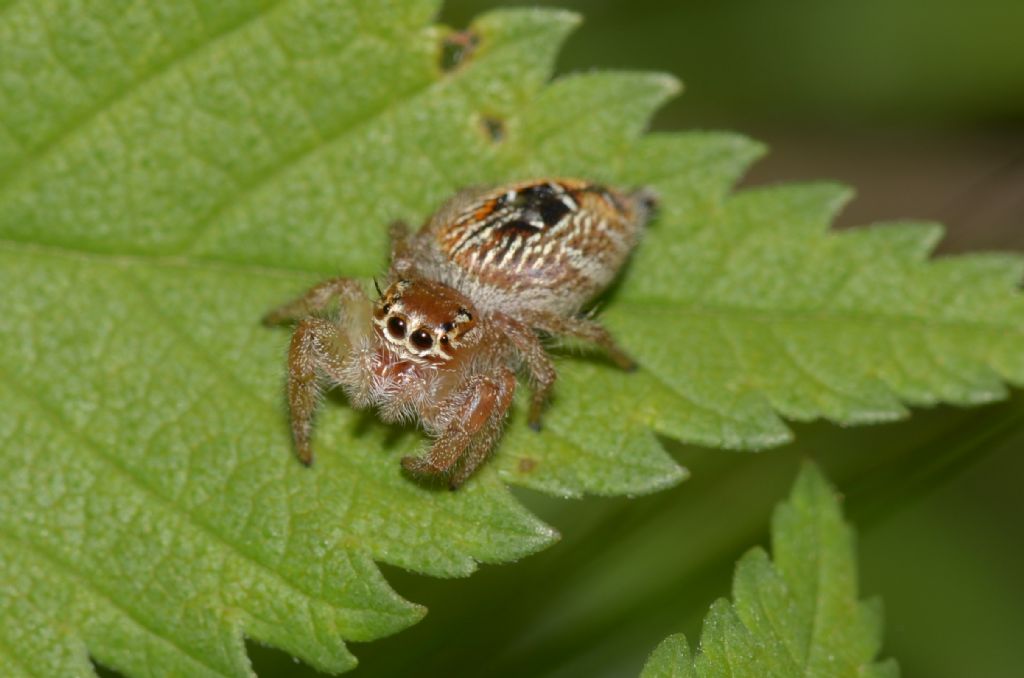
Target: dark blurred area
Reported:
[(919, 106), (924, 64)]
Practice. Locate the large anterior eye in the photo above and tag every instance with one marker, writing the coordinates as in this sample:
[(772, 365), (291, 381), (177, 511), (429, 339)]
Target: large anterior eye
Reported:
[(421, 339), (396, 327)]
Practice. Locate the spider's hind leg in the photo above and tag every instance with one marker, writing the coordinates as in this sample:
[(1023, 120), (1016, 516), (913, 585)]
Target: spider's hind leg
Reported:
[(538, 364), (586, 329)]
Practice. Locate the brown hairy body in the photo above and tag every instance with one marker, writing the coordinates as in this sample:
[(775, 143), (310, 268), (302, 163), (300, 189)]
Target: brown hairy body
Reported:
[(459, 317)]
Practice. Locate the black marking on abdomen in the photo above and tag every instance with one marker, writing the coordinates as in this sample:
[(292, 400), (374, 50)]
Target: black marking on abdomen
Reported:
[(519, 226), (536, 207), (552, 211), (519, 213)]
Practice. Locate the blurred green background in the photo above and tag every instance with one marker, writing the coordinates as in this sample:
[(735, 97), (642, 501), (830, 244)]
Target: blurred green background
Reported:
[(920, 106)]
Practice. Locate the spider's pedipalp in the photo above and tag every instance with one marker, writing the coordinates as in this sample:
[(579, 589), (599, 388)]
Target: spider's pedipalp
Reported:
[(477, 412)]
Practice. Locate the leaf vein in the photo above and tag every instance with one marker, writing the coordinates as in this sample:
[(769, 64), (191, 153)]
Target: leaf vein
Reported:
[(202, 227), (778, 625), (816, 583), (112, 99), (791, 357), (69, 572), (697, 405), (168, 505)]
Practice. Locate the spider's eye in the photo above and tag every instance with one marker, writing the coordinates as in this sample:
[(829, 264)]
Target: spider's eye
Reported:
[(396, 327), (421, 339)]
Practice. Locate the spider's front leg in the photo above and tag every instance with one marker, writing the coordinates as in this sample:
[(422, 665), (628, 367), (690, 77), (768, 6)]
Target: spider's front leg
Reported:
[(317, 299), (403, 258), (473, 429), (318, 349)]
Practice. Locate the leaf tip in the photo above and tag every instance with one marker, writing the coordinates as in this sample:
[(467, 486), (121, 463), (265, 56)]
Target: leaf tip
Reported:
[(669, 84), (669, 477), (567, 17), (564, 19), (810, 480), (764, 439), (671, 656)]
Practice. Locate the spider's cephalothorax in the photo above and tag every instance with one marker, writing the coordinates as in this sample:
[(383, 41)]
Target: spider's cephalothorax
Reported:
[(425, 322), (466, 296)]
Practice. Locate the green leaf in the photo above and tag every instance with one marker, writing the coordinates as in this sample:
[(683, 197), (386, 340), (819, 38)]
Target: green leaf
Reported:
[(795, 616), (170, 171), (671, 659)]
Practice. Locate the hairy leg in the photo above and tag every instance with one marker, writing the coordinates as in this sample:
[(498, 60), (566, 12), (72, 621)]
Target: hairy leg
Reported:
[(473, 428), (581, 328), (488, 436), (402, 243), (538, 363), (316, 349), (317, 299)]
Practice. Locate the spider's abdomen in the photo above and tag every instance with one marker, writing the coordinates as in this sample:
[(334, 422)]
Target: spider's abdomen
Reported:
[(547, 244)]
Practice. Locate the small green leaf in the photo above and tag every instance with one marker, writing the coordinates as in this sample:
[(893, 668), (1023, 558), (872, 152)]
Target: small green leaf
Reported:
[(795, 616), (671, 659)]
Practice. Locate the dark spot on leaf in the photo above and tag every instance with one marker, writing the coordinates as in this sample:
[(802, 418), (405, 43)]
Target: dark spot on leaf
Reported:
[(458, 48), (494, 127), (527, 464)]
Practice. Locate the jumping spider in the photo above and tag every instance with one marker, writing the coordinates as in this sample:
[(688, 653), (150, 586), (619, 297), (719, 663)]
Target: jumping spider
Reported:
[(465, 298)]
